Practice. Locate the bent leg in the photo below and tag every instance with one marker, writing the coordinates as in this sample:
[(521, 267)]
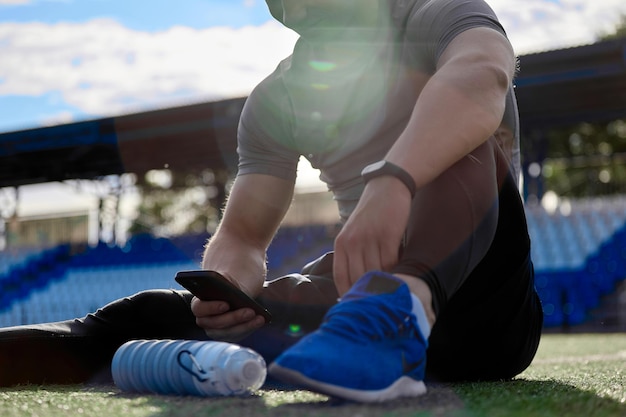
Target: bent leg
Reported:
[(452, 224), (491, 326), (468, 241)]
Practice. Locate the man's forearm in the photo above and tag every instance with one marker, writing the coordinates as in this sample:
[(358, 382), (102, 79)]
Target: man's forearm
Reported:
[(233, 257), (255, 208)]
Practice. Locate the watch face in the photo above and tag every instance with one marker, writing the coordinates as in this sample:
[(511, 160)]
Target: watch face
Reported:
[(373, 167)]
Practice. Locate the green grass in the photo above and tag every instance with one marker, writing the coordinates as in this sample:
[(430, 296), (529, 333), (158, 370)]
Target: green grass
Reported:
[(572, 375)]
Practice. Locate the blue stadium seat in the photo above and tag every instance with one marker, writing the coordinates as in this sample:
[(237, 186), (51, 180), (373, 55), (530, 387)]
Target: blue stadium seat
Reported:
[(578, 258)]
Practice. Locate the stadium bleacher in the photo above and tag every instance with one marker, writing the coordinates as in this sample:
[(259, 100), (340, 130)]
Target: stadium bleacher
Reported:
[(56, 284), (579, 254)]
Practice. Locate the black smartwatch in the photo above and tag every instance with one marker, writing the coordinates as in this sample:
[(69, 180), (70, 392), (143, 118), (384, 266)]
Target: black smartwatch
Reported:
[(382, 168)]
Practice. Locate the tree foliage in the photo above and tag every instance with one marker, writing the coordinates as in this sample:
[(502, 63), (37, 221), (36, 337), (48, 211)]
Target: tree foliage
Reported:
[(618, 32), (174, 203), (588, 159)]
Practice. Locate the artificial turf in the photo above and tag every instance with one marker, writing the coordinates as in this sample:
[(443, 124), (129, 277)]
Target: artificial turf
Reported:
[(572, 375)]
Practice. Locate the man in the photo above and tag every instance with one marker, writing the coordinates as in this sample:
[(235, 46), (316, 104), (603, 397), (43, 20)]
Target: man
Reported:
[(407, 108), (417, 94)]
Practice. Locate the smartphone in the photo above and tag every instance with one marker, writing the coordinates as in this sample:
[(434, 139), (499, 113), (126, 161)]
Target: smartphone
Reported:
[(213, 286)]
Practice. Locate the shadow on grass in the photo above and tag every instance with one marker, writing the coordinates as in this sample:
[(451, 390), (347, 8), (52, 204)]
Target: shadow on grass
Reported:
[(520, 397), (511, 398), (439, 401), (301, 404)]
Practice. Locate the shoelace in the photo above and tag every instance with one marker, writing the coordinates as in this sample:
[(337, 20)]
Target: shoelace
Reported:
[(370, 318)]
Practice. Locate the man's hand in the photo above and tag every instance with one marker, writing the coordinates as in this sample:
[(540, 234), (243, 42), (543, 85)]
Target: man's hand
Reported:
[(371, 238), (220, 324)]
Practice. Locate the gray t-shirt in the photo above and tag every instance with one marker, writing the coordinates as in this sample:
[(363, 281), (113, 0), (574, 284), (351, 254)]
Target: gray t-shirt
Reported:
[(343, 112)]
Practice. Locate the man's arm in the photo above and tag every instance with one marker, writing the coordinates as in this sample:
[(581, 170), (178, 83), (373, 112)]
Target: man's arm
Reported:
[(458, 109), (256, 206)]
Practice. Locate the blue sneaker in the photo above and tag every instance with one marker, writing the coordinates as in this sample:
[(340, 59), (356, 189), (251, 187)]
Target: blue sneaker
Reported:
[(368, 349)]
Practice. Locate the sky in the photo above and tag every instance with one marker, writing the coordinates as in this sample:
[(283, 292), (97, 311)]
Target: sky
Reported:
[(72, 60), (69, 60)]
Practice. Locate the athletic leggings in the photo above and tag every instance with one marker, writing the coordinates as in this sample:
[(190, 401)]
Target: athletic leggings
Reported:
[(467, 238)]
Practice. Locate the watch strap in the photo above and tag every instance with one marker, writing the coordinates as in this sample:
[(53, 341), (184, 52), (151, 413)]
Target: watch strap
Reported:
[(382, 168)]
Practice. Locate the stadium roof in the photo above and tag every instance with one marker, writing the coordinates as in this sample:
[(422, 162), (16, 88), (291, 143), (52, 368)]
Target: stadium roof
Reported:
[(569, 86), (188, 138), (555, 88)]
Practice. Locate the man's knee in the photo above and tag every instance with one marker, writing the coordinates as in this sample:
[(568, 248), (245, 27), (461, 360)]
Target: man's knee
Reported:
[(147, 314)]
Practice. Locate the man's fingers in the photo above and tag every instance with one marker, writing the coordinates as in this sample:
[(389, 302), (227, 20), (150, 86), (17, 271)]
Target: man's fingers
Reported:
[(340, 272), (201, 308), (357, 267), (221, 324), (235, 333), (372, 260), (225, 320), (388, 257), (352, 262)]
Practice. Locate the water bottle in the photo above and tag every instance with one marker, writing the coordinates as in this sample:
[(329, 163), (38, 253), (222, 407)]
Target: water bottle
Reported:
[(187, 367)]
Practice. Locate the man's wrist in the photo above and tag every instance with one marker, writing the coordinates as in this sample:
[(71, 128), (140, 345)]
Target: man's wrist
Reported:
[(386, 168)]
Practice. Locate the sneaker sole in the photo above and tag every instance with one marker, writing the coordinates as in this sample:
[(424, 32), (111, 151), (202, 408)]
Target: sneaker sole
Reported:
[(401, 388)]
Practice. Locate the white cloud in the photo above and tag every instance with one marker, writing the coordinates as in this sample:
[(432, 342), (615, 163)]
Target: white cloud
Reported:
[(13, 2), (539, 25), (57, 119), (104, 68)]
